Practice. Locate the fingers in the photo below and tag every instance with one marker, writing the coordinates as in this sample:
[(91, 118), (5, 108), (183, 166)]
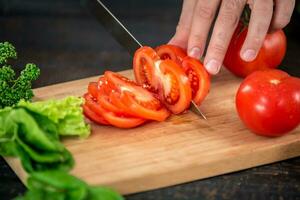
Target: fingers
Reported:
[(204, 13), (225, 25), (260, 19), (183, 28), (282, 14)]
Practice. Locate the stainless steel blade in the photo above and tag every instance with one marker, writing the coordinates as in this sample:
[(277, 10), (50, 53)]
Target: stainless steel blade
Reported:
[(121, 33), (113, 26)]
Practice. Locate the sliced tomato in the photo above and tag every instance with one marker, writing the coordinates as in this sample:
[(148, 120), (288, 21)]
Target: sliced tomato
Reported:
[(91, 114), (93, 89), (105, 102), (167, 78), (143, 62), (198, 77), (139, 110), (172, 52), (103, 86), (174, 86), (111, 117), (135, 100)]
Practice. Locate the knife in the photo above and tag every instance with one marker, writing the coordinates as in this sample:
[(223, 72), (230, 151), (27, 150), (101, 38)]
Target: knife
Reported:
[(120, 33)]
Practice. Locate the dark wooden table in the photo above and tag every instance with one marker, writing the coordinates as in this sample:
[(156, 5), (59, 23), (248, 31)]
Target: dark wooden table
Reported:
[(67, 44)]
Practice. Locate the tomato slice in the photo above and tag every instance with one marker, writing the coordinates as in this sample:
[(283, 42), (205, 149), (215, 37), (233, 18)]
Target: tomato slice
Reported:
[(172, 52), (197, 74), (143, 62), (111, 117), (103, 86), (105, 103), (167, 78), (174, 86), (135, 100), (141, 111), (92, 115), (198, 77), (93, 89)]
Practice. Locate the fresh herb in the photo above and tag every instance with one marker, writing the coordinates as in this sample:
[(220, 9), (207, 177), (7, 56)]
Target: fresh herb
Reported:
[(58, 185), (13, 89)]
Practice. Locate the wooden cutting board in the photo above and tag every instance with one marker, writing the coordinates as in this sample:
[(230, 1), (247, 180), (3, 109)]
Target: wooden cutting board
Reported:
[(182, 149)]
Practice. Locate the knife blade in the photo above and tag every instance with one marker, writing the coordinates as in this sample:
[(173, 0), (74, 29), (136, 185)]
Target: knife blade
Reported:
[(121, 33)]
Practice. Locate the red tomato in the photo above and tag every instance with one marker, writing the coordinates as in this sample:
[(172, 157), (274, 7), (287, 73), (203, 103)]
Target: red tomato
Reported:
[(143, 61), (268, 102), (198, 77), (168, 51), (174, 86), (111, 117), (165, 77), (193, 68), (92, 115), (270, 55), (137, 100), (128, 99), (93, 89)]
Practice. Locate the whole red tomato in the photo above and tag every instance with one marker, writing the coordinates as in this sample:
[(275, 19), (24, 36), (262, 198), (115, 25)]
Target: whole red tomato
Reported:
[(269, 57), (268, 102)]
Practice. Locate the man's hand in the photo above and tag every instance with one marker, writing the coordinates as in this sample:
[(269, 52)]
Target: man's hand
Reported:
[(197, 17)]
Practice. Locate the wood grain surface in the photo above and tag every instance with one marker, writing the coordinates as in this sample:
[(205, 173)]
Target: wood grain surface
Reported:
[(181, 149)]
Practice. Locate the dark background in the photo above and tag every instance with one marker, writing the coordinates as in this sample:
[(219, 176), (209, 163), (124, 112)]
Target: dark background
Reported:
[(67, 44)]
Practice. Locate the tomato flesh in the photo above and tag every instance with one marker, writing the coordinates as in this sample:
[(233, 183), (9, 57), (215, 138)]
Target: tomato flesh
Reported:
[(111, 117), (268, 102), (143, 62), (93, 116), (167, 79), (198, 77), (174, 87), (172, 52), (138, 101)]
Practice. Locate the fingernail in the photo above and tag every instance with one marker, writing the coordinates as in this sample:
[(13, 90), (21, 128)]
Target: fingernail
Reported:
[(248, 55), (195, 52), (213, 66)]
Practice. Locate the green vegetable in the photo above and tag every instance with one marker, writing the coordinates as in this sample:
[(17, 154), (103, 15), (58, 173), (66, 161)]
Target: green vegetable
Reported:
[(34, 139), (7, 51), (12, 89), (58, 185), (65, 113)]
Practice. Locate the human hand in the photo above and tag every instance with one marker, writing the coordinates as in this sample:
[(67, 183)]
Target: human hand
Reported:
[(197, 17)]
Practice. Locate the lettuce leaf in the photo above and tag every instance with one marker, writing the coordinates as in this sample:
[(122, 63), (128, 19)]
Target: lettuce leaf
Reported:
[(65, 113)]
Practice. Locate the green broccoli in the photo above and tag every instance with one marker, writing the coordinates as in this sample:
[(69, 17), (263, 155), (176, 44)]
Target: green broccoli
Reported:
[(12, 89)]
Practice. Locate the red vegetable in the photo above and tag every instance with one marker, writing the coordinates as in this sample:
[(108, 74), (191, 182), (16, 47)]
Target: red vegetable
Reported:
[(268, 102), (269, 57), (162, 83), (138, 101)]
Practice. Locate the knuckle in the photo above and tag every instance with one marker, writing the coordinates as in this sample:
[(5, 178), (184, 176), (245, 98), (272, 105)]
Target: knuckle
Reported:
[(196, 37), (204, 12), (233, 4), (229, 19), (182, 29), (280, 23), (265, 6), (255, 42), (218, 49), (262, 27)]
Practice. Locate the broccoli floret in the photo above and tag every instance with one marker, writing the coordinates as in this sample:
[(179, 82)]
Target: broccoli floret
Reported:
[(7, 51), (12, 90)]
